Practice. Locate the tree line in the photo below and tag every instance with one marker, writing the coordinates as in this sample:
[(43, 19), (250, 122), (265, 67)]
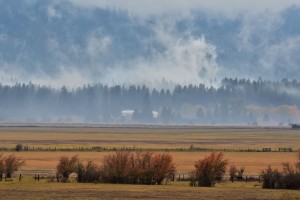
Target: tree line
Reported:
[(237, 101)]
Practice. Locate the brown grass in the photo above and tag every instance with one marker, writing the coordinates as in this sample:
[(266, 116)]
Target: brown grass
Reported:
[(44, 163), (253, 162), (151, 137), (43, 190), (155, 137)]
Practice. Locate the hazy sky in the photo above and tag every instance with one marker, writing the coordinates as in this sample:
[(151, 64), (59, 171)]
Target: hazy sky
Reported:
[(143, 7)]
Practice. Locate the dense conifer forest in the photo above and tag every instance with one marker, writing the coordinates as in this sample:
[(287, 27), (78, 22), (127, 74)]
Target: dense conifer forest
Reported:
[(234, 101)]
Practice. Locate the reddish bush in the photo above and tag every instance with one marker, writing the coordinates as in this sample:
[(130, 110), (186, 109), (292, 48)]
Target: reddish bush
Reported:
[(163, 167), (209, 170), (138, 168), (116, 167), (142, 170)]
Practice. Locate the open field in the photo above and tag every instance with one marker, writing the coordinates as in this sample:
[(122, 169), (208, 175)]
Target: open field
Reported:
[(254, 162), (154, 138), (151, 137), (29, 189), (159, 139)]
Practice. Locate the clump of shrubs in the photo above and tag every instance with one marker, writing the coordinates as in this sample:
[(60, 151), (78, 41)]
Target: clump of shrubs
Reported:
[(288, 178), (121, 167), (209, 171)]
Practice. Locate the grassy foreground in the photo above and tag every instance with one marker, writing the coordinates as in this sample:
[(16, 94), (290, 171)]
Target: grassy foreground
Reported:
[(28, 189)]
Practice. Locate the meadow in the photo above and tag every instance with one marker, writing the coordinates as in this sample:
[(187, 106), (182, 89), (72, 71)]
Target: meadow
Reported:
[(175, 140), (181, 142), (29, 189), (152, 137)]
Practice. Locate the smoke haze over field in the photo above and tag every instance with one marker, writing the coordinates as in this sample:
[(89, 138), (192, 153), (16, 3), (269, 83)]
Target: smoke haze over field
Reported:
[(147, 42)]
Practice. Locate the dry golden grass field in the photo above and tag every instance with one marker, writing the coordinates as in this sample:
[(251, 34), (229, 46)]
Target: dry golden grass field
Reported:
[(28, 189), (254, 162), (153, 138)]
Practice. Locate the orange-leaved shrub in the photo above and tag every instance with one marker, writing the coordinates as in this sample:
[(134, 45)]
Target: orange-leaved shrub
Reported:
[(120, 167), (137, 168), (116, 168), (163, 167), (209, 171)]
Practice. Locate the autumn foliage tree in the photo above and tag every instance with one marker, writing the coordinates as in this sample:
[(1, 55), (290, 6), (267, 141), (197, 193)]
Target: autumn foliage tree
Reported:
[(137, 168), (163, 167), (141, 168), (116, 167), (210, 170)]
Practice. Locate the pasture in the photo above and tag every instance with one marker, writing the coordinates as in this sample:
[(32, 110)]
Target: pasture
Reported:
[(48, 141), (152, 137), (28, 189), (254, 162), (176, 140)]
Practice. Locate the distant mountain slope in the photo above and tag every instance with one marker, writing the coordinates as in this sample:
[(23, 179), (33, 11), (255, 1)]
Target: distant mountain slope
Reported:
[(59, 43)]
